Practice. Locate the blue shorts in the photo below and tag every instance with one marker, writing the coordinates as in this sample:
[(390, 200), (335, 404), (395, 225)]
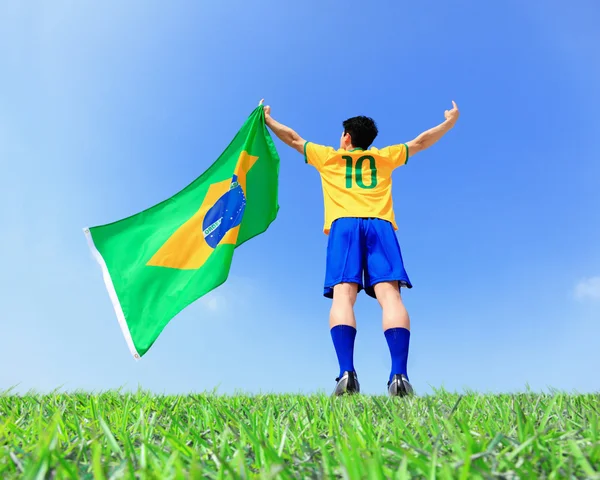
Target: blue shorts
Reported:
[(363, 247)]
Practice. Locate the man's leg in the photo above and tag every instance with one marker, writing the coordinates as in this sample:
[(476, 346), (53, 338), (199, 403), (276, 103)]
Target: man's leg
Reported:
[(342, 305), (395, 314), (396, 325), (343, 324), (384, 274), (343, 280)]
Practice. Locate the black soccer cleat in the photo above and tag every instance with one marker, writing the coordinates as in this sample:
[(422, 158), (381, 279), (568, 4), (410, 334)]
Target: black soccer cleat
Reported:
[(347, 384), (399, 386)]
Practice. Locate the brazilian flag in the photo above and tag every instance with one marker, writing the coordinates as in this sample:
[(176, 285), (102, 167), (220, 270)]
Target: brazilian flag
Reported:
[(157, 262)]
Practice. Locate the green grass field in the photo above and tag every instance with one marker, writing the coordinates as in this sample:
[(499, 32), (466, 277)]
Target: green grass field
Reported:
[(114, 435)]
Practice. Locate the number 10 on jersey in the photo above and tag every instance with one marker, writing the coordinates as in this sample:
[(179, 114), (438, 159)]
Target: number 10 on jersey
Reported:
[(356, 170)]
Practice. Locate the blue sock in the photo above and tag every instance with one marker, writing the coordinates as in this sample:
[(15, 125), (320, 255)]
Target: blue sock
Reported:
[(343, 340), (398, 340)]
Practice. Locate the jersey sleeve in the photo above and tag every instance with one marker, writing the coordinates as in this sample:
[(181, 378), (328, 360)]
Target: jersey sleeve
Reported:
[(396, 154), (316, 155)]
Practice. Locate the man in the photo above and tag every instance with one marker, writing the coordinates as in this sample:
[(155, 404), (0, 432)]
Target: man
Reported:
[(363, 251)]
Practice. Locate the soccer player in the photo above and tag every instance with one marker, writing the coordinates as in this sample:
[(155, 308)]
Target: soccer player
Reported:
[(363, 251)]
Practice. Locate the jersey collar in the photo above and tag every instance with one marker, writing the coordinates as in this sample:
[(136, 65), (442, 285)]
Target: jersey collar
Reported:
[(355, 149)]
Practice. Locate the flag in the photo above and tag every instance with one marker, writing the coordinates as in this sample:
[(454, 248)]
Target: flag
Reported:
[(157, 262)]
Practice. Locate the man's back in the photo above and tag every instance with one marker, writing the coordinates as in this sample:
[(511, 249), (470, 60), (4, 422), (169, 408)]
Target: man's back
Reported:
[(356, 183)]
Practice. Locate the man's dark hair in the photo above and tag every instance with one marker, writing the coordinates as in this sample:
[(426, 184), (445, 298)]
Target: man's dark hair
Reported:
[(362, 130)]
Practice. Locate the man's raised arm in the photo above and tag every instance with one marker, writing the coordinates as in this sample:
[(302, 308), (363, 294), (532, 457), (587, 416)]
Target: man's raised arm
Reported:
[(431, 136), (285, 134)]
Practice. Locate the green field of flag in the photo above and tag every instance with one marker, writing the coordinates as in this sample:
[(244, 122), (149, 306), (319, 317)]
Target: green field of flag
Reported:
[(157, 262)]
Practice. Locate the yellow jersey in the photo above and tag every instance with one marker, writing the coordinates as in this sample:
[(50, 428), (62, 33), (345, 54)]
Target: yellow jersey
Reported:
[(356, 183)]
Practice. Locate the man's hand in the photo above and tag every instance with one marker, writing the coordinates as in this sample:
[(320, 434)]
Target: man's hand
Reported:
[(453, 114), (266, 108), (285, 134), (431, 136)]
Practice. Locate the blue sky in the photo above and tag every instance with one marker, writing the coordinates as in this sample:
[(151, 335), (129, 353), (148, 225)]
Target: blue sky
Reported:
[(107, 108)]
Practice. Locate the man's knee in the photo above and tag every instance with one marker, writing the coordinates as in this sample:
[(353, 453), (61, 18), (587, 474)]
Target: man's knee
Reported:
[(388, 293), (345, 293)]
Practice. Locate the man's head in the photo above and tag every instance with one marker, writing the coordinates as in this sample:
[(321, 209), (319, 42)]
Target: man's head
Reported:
[(359, 132)]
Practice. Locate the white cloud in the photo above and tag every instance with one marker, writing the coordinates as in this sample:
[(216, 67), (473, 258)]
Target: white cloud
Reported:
[(211, 302), (588, 288), (235, 295)]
